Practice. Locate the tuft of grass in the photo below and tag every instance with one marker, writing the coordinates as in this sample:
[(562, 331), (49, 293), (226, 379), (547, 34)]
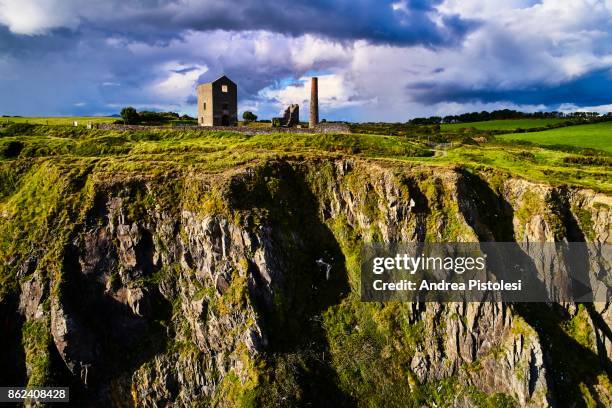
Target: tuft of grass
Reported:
[(579, 328), (36, 338)]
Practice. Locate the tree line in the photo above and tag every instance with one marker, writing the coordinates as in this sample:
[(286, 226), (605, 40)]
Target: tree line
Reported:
[(130, 116), (503, 114)]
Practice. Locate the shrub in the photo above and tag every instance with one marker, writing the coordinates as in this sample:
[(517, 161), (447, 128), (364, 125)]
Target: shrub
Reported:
[(524, 155), (129, 115), (17, 129), (249, 116), (588, 160), (12, 149)]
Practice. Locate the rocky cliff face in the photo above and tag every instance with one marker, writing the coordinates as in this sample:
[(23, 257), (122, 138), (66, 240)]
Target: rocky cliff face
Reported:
[(242, 288)]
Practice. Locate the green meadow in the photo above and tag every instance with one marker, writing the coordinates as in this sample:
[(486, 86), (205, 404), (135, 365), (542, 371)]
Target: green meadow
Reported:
[(509, 124), (533, 163), (595, 136), (560, 156), (58, 120)]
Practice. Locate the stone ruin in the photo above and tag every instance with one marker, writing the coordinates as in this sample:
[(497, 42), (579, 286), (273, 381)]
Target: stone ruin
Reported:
[(291, 117)]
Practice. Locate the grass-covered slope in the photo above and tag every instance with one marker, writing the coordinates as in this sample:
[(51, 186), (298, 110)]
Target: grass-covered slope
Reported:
[(508, 124), (595, 136), (58, 120), (82, 210), (223, 148), (531, 162), (215, 151)]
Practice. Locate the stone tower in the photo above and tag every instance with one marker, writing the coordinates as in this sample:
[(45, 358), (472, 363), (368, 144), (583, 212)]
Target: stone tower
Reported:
[(314, 102), (218, 103)]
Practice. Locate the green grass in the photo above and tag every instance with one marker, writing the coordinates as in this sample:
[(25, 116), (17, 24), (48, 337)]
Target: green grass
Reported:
[(509, 124), (49, 185), (159, 150), (595, 136), (529, 162), (205, 146), (58, 120)]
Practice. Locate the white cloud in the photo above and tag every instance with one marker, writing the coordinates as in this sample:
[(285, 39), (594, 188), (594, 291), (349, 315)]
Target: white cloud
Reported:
[(177, 81), (335, 92), (309, 52), (38, 16), (454, 108), (483, 9), (570, 107), (550, 41), (519, 44), (375, 82)]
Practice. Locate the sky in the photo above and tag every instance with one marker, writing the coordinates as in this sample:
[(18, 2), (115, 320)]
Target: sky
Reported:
[(376, 60)]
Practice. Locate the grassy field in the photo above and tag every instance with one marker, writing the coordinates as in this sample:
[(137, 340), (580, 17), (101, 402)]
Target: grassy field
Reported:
[(209, 150), (58, 120), (159, 150), (595, 136), (533, 163), (510, 124)]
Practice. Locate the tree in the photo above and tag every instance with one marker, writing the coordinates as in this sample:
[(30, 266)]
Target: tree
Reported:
[(249, 116), (129, 115)]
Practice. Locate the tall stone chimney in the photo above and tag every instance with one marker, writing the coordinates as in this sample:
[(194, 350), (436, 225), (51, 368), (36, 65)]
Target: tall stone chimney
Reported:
[(314, 102)]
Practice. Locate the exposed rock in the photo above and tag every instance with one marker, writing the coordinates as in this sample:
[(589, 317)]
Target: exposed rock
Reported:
[(33, 292), (188, 303)]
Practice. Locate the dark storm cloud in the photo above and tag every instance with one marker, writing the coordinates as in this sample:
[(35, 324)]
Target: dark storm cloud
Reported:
[(399, 23), (78, 56), (184, 70), (591, 89), (69, 72), (75, 59), (22, 46)]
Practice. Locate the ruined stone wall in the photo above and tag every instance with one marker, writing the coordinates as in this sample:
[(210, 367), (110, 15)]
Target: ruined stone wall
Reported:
[(292, 116), (332, 128)]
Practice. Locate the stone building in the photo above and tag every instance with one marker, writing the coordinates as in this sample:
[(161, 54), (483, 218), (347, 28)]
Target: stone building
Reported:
[(218, 103), (290, 118)]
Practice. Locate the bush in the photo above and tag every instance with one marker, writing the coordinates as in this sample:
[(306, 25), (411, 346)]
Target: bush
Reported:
[(524, 155), (588, 160), (129, 115), (12, 149), (249, 116), (17, 129), (157, 118)]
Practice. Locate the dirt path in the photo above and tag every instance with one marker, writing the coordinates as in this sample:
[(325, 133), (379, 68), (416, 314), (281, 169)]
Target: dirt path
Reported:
[(439, 153)]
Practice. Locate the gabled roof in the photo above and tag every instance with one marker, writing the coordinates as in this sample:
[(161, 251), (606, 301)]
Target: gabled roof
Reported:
[(222, 77), (216, 80)]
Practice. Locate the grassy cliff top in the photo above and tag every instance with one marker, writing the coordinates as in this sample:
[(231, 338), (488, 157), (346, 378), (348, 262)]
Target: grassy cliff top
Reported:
[(57, 120), (159, 150)]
